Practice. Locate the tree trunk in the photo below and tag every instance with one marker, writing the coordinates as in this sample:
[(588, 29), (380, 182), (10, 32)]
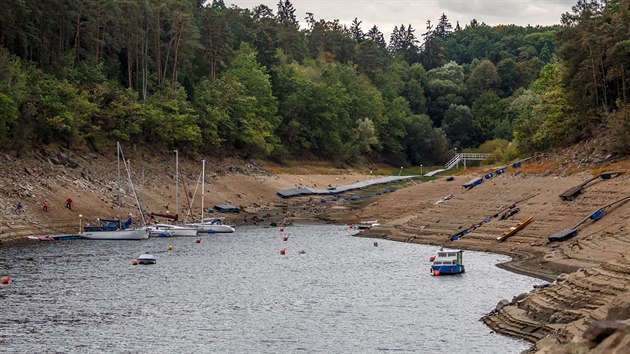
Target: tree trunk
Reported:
[(158, 52), (77, 37), (178, 43)]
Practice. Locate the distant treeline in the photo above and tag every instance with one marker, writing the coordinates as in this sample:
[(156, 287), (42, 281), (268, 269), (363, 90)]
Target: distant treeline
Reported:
[(206, 78)]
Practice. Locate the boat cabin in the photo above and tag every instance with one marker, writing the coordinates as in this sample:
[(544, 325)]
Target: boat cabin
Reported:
[(447, 262)]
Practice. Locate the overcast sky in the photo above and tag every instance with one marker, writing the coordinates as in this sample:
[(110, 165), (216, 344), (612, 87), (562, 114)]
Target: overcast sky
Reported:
[(389, 13)]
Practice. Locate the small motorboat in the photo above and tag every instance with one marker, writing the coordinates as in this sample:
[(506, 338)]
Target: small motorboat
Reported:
[(146, 259), (447, 263)]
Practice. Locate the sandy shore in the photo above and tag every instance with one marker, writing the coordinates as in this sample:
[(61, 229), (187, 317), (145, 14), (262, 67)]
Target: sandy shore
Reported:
[(589, 275)]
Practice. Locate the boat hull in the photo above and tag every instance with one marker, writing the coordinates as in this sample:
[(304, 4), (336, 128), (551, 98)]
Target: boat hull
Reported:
[(162, 230), (117, 235), (211, 229), (447, 269)]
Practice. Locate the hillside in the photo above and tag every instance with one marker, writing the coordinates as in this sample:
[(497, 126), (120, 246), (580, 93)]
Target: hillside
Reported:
[(90, 179)]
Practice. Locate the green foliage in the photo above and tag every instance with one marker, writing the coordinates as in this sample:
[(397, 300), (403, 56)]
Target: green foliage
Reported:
[(459, 126), (483, 78), (207, 77), (618, 124), (496, 148)]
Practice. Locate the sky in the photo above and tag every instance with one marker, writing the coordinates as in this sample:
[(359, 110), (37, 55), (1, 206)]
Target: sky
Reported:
[(386, 14)]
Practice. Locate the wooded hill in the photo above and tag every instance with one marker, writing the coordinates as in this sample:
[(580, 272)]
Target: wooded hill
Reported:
[(212, 79)]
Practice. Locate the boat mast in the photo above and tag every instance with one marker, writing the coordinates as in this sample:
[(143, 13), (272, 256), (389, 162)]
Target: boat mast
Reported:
[(118, 163), (176, 182), (203, 180), (135, 194)]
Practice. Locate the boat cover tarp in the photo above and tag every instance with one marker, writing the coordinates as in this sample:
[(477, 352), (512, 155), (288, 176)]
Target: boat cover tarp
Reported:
[(227, 208), (473, 182), (294, 192)]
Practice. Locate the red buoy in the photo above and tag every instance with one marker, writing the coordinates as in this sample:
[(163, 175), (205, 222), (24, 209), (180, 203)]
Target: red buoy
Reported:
[(282, 251), (436, 272), (285, 238), (432, 259), (5, 280), (134, 262), (282, 229), (198, 240)]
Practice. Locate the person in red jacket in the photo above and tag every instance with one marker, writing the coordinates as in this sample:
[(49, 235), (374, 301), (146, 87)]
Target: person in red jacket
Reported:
[(45, 205), (69, 203)]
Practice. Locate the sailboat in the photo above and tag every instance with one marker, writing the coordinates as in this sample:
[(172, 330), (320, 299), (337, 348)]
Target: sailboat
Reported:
[(212, 225), (120, 233)]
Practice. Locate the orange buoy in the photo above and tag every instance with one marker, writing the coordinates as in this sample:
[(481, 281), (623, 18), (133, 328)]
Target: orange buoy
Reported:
[(282, 251), (198, 240), (432, 258), (436, 272), (285, 238), (134, 262), (5, 280)]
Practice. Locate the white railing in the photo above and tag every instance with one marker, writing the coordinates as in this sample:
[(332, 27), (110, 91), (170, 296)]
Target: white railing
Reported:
[(465, 156)]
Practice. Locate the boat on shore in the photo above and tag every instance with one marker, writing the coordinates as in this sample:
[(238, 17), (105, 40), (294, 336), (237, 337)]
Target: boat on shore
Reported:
[(516, 228), (447, 263), (364, 225)]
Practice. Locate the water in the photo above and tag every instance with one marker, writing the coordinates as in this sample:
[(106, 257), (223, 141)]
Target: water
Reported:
[(235, 293)]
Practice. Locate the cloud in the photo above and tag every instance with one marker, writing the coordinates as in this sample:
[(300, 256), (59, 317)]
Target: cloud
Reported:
[(386, 14)]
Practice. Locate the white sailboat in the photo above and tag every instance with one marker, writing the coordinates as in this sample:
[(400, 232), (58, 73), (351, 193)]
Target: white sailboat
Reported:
[(212, 225), (121, 234), (173, 230)]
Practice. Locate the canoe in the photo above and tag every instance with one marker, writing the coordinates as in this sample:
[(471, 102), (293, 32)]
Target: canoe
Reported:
[(516, 228)]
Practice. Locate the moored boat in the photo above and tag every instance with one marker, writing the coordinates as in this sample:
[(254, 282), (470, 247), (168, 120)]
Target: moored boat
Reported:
[(146, 259), (447, 263), (131, 234), (213, 225), (166, 230)]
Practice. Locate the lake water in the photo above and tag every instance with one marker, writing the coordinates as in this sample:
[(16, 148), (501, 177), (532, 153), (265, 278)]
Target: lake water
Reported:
[(235, 293)]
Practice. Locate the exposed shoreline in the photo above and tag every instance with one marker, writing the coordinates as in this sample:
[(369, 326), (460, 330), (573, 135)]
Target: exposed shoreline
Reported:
[(590, 274)]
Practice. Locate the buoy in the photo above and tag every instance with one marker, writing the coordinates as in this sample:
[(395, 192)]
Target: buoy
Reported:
[(432, 258), (375, 244), (5, 280), (436, 272), (169, 247), (198, 240), (282, 251), (285, 238), (282, 229)]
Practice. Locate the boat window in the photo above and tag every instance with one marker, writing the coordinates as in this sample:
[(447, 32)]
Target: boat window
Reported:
[(437, 262)]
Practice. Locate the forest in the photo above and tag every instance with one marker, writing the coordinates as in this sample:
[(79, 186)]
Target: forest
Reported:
[(206, 78)]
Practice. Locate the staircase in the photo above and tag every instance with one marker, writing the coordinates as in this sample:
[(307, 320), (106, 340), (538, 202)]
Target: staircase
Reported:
[(461, 157)]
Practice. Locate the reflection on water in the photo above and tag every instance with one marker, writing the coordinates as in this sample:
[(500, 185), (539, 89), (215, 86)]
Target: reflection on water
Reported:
[(236, 293)]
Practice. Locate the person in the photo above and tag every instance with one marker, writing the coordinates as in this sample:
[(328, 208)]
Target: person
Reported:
[(19, 208), (45, 205), (69, 203)]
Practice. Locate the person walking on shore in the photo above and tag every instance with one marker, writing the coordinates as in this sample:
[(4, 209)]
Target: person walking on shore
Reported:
[(69, 203), (45, 206)]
